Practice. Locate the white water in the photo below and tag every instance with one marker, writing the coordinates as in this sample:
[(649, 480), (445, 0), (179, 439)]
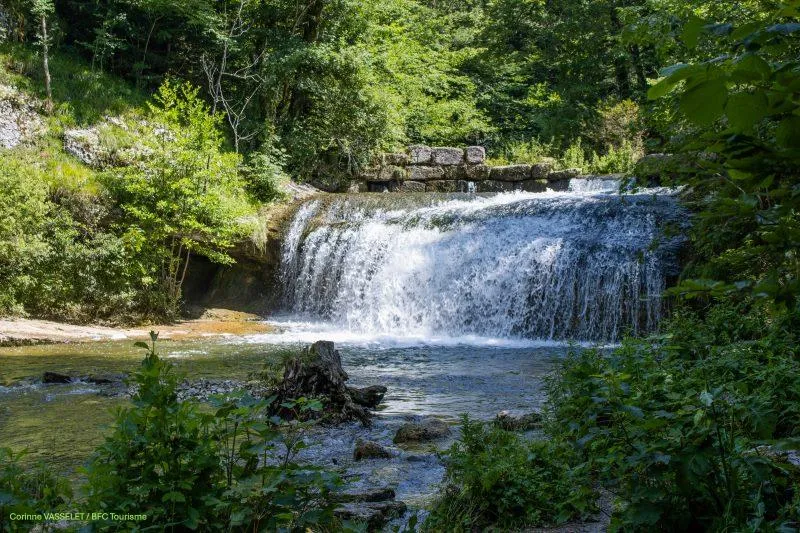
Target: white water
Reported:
[(481, 270)]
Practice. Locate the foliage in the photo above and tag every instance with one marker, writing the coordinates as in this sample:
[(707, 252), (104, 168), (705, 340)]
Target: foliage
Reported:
[(184, 198), (500, 479), (28, 491), (185, 467), (687, 430)]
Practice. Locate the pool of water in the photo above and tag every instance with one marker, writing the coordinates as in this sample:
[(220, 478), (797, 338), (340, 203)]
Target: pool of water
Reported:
[(425, 377)]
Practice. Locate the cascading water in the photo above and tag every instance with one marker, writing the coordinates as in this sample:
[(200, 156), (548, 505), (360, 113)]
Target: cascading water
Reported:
[(572, 265)]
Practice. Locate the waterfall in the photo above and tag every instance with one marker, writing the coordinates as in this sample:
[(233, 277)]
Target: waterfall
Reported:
[(568, 265)]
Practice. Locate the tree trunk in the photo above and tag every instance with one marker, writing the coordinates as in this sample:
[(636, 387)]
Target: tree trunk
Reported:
[(46, 66)]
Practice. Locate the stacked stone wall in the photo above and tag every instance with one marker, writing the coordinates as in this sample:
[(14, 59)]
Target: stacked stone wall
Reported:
[(447, 169)]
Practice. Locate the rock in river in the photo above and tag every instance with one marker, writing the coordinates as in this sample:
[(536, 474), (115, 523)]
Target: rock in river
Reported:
[(367, 449), (368, 396), (427, 430)]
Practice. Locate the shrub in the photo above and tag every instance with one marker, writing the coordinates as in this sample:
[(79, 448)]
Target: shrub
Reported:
[(499, 479)]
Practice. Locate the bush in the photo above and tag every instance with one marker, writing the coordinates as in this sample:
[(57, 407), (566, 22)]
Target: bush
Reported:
[(499, 479), (678, 428), (28, 491), (185, 467)]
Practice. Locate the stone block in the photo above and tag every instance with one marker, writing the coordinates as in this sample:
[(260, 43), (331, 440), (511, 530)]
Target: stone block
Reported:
[(448, 156), (497, 186), (420, 173), (441, 186), (476, 154), (510, 173), (392, 173), (558, 185), (419, 154), (412, 186), (542, 168), (478, 172), (382, 186), (567, 174), (358, 186), (455, 172), (533, 185)]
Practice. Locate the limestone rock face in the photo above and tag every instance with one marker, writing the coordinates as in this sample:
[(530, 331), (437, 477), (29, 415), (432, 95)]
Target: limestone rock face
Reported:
[(422, 173), (420, 154), (448, 156), (427, 430), (19, 120), (476, 154), (510, 173)]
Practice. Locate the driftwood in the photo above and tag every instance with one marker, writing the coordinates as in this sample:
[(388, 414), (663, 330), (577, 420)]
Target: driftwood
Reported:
[(318, 373)]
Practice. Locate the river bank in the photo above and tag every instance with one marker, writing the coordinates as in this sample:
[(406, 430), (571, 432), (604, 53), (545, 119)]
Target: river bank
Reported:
[(29, 332)]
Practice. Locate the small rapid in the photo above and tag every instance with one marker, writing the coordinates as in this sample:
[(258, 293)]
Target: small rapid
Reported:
[(588, 264)]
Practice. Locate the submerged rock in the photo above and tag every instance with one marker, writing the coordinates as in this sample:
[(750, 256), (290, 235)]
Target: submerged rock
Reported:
[(369, 495), (427, 430), (368, 396), (55, 377), (367, 449)]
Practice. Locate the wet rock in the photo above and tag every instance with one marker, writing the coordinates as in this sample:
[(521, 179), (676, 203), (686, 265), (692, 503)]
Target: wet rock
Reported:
[(476, 154), (558, 185), (441, 186), (368, 396), (367, 449), (448, 156), (373, 514), (566, 174), (507, 421), (510, 173), (55, 377), (497, 186), (101, 379), (371, 495), (412, 186), (534, 185), (420, 154), (318, 372), (427, 430), (422, 173)]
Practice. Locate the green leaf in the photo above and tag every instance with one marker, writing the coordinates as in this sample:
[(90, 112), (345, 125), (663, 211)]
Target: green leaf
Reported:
[(744, 110), (691, 31), (788, 132), (704, 103), (140, 344), (173, 496)]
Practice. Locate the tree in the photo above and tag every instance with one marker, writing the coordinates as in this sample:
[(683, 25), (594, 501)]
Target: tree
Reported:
[(42, 9), (184, 198)]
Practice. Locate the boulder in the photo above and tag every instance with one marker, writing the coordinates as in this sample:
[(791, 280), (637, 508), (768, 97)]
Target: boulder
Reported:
[(507, 421), (84, 145), (368, 396), (448, 156), (55, 377), (455, 172), (427, 430), (566, 174), (367, 449), (422, 173), (420, 154), (318, 372), (412, 186), (510, 173), (476, 154), (19, 120)]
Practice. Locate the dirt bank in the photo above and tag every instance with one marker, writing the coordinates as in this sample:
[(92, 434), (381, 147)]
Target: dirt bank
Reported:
[(23, 331)]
